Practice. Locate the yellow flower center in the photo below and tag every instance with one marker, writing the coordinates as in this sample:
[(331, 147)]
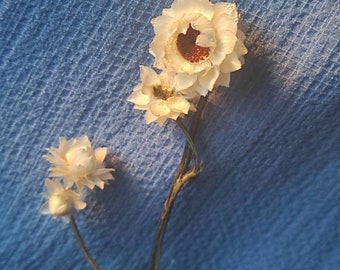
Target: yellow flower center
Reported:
[(186, 45), (162, 92)]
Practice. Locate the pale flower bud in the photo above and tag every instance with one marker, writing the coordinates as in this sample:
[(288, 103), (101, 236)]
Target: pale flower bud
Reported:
[(61, 201), (60, 205)]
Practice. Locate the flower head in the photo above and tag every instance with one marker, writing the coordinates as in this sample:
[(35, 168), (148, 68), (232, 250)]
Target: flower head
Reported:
[(61, 201), (199, 41), (158, 95), (78, 163)]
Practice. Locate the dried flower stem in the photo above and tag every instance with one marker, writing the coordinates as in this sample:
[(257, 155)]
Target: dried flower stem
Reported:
[(193, 129), (81, 244), (190, 143), (178, 182)]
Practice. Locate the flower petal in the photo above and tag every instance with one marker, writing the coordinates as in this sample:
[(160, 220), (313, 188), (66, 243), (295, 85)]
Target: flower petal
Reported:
[(138, 98), (160, 121), (208, 80), (231, 63), (52, 186), (159, 108), (44, 209), (173, 115), (178, 104), (162, 24), (240, 49), (206, 40), (203, 7), (100, 154), (240, 35), (223, 79), (226, 16), (183, 81), (150, 117), (226, 42), (203, 91), (147, 75)]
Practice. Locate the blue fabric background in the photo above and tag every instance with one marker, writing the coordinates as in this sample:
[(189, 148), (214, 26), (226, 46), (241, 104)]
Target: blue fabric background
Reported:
[(269, 194)]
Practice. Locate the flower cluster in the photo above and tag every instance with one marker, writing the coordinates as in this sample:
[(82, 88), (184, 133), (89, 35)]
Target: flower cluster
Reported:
[(197, 45), (79, 166)]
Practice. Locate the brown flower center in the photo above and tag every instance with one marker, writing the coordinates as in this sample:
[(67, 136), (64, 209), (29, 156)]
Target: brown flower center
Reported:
[(186, 45), (162, 92)]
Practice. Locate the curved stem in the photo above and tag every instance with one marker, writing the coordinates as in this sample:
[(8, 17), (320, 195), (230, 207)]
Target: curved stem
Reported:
[(163, 221), (193, 129), (177, 183), (168, 205), (190, 142), (81, 244)]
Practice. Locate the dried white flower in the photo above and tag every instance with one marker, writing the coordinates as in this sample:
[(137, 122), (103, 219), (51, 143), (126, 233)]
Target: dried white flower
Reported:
[(157, 95), (61, 201), (200, 42), (78, 163)]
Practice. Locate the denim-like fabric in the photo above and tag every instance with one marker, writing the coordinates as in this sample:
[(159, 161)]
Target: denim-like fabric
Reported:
[(269, 195)]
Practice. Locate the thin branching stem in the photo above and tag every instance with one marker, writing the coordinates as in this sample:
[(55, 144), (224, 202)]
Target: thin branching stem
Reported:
[(178, 182), (193, 129), (190, 143), (81, 244)]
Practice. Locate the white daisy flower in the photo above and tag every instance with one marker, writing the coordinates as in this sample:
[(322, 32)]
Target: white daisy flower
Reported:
[(200, 42), (61, 201), (78, 163), (158, 95)]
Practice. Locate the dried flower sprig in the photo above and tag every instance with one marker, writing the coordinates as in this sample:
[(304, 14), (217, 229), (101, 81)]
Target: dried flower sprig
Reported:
[(79, 166), (197, 45)]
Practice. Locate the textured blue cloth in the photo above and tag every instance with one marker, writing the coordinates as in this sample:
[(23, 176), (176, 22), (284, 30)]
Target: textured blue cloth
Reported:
[(269, 194)]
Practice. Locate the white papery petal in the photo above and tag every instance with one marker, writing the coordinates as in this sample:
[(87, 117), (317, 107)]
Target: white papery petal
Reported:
[(223, 79), (77, 202), (231, 63), (162, 23), (159, 108), (203, 7), (241, 36), (150, 117), (226, 8), (178, 104), (183, 81), (226, 23), (201, 90), (52, 186), (139, 99), (206, 40), (173, 115), (208, 80), (226, 42), (241, 58), (83, 141), (157, 50), (147, 75), (139, 107), (100, 154), (100, 184), (44, 209), (240, 49)]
